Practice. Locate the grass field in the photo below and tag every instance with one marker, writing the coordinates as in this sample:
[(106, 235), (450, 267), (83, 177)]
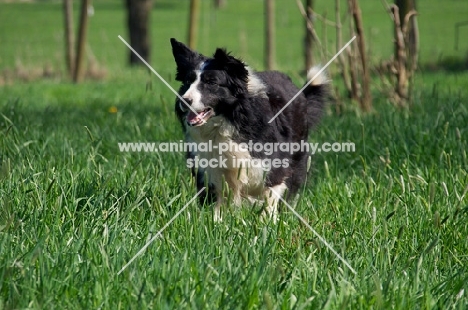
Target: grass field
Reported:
[(74, 210)]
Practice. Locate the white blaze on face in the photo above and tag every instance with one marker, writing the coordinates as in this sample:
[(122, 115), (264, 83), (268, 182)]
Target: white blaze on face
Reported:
[(193, 93)]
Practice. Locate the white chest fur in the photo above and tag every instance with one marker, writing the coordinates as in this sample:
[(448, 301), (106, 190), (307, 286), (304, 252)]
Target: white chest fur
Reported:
[(232, 164)]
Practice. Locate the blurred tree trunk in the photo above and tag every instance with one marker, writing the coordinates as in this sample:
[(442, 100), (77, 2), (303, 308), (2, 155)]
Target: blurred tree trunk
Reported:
[(78, 71), (269, 34), (352, 59), (401, 87), (219, 3), (193, 23), (339, 43), (309, 37), (411, 25), (366, 99), (138, 13), (68, 19)]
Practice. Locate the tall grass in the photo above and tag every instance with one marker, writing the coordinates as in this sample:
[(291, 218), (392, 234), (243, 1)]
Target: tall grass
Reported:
[(74, 210)]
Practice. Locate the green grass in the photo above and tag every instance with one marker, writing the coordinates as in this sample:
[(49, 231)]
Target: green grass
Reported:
[(74, 210)]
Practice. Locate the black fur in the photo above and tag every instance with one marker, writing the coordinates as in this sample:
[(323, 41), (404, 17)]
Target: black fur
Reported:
[(224, 88)]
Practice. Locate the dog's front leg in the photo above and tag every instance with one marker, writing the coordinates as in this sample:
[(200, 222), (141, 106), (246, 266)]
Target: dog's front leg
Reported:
[(217, 208), (272, 197), (222, 197)]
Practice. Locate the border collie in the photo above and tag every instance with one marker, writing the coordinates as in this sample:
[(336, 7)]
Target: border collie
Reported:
[(226, 102)]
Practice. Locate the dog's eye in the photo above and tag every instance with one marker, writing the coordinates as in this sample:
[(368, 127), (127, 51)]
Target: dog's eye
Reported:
[(211, 81), (209, 78)]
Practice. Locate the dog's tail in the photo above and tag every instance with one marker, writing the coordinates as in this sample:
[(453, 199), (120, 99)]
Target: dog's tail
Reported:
[(317, 92)]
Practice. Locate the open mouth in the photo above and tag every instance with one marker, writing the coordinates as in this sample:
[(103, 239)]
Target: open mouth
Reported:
[(199, 119)]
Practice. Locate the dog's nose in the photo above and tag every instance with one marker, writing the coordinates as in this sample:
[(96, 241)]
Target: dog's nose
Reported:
[(187, 100), (184, 104)]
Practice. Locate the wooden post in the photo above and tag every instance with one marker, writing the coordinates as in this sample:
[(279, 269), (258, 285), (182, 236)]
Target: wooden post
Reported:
[(219, 3), (412, 36), (269, 34), (339, 44), (352, 60), (68, 19), (400, 60), (81, 46), (138, 16), (309, 37), (366, 99), (193, 23)]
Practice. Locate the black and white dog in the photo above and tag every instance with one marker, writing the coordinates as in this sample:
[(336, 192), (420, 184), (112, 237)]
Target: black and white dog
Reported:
[(227, 103)]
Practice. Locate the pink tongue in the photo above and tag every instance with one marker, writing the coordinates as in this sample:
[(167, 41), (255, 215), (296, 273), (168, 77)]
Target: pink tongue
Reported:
[(192, 118)]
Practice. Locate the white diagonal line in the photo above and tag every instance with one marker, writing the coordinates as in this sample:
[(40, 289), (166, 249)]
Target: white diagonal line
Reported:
[(315, 76), (315, 233), (157, 74), (160, 231)]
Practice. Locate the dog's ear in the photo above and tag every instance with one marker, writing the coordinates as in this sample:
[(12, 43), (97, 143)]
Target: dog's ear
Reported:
[(235, 69), (232, 65), (185, 59)]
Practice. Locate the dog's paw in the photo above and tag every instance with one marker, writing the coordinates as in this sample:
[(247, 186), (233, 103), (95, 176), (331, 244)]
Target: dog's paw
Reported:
[(217, 218)]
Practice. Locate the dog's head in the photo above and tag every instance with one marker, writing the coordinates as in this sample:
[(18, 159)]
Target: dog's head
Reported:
[(211, 86)]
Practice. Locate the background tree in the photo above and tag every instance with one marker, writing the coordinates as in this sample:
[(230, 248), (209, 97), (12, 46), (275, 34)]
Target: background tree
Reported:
[(411, 25), (269, 34), (78, 70), (309, 37), (68, 20), (365, 100), (344, 67), (138, 14), (404, 62), (219, 3), (193, 23)]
